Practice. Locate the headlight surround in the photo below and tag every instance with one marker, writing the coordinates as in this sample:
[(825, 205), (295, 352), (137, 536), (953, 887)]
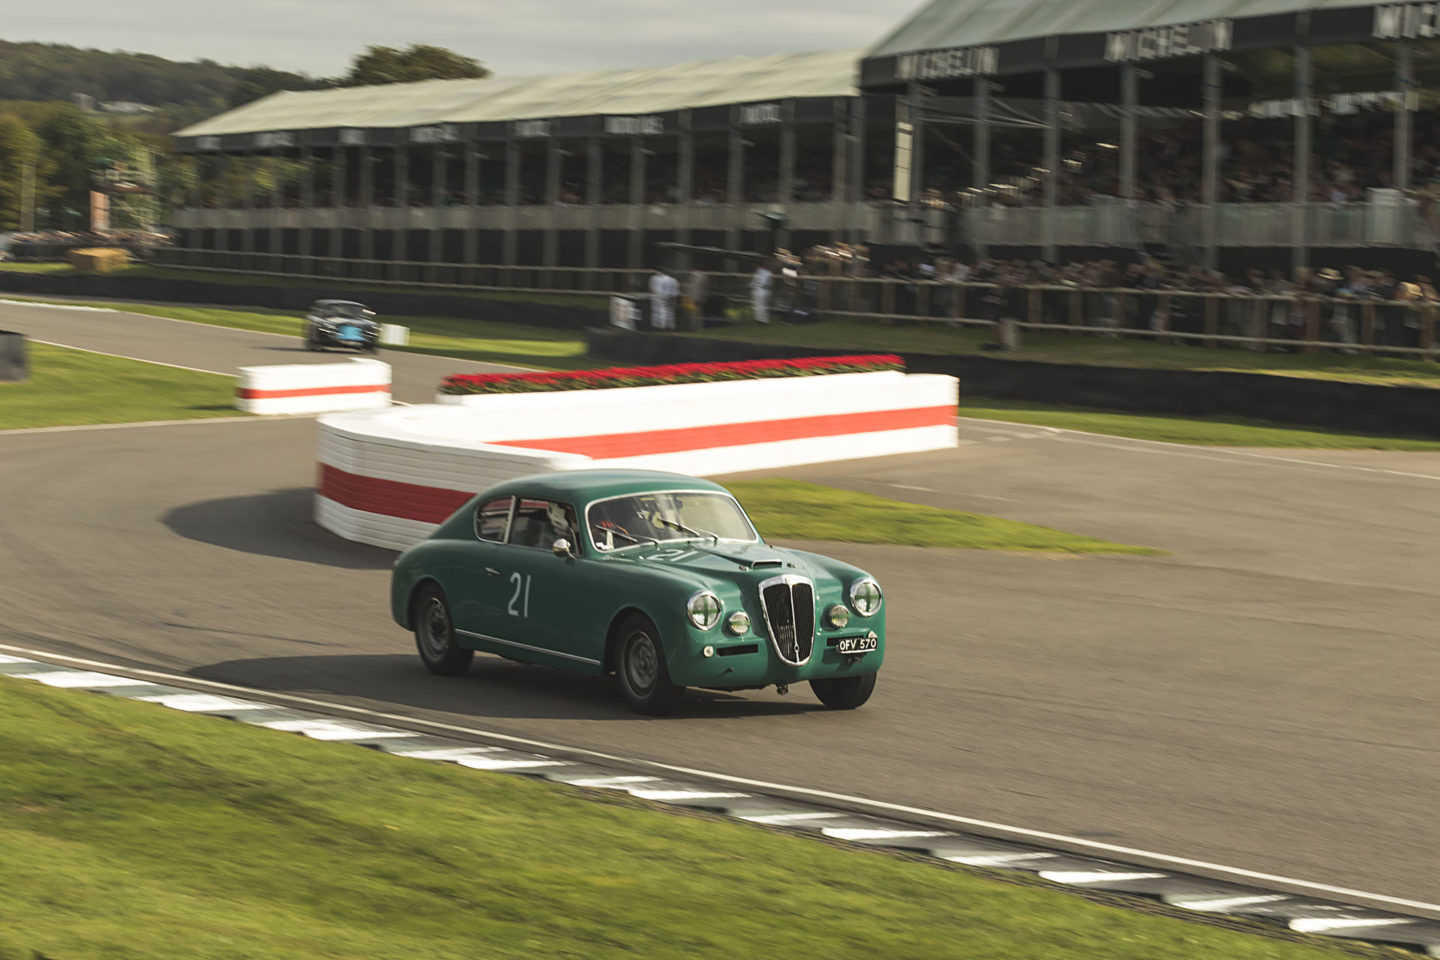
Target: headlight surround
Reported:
[(837, 616), (738, 623), (865, 596), (704, 609)]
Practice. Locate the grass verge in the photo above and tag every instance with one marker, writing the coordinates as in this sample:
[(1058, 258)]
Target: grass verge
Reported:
[(68, 387), (796, 510), (861, 336), (128, 830), (482, 340), (1200, 432)]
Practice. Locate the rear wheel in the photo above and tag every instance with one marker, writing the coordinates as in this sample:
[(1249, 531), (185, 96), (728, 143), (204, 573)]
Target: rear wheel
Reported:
[(640, 665), (844, 693), (435, 635)]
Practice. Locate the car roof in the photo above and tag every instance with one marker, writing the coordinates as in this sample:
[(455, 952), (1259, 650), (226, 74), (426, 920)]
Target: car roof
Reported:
[(585, 486), (334, 303)]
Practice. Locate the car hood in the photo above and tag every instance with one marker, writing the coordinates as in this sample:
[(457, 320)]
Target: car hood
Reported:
[(737, 562)]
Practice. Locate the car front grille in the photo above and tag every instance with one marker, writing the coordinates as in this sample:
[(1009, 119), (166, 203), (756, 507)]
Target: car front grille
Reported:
[(789, 605)]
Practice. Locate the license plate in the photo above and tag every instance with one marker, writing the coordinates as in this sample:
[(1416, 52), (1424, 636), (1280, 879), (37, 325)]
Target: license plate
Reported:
[(857, 644), (349, 333)]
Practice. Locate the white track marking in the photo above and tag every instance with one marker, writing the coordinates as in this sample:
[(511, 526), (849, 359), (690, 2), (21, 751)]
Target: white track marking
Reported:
[(500, 763), (780, 819), (610, 783), (1201, 452), (123, 356), (998, 859), (334, 730), (841, 798), (1226, 904), (201, 703), (72, 428), (57, 306), (81, 679), (1082, 877), (1326, 924), (876, 833), (674, 795)]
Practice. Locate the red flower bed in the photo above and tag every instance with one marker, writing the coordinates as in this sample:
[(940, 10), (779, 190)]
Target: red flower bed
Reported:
[(469, 383)]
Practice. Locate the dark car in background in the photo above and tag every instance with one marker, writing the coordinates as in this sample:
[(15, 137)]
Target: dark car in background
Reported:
[(341, 323)]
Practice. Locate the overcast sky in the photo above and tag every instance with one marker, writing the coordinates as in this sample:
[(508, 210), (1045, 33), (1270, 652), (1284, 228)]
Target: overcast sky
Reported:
[(513, 38)]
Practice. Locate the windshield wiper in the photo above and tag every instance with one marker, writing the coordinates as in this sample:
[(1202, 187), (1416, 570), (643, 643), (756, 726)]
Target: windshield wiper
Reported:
[(614, 532), (677, 525)]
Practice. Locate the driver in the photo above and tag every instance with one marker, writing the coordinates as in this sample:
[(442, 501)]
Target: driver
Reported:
[(559, 525)]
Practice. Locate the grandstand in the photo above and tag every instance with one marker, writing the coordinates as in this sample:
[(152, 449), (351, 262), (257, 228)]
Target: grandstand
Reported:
[(1211, 130)]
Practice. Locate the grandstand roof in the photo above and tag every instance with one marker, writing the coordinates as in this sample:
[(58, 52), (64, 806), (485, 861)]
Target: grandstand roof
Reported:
[(606, 92)]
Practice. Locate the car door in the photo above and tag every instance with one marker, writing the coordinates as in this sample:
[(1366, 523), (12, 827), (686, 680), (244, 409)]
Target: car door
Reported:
[(538, 588), (475, 587)]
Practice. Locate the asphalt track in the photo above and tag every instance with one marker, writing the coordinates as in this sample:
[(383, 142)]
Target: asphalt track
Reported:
[(1263, 696), (215, 349)]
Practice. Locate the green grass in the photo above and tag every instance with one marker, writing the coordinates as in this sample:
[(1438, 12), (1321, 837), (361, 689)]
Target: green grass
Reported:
[(856, 335), (130, 831), (482, 340), (69, 387), (1203, 432), (796, 510), (338, 288)]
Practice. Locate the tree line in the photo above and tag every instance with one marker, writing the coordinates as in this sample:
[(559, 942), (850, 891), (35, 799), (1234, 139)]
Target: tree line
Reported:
[(53, 153)]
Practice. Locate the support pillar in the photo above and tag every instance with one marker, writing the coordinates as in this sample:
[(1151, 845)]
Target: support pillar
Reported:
[(1298, 235), (637, 205), (439, 168), (734, 181), (787, 167), (1404, 115), (553, 158), (916, 101), (339, 174), (685, 185), (1052, 160), (980, 171), (1129, 97), (1210, 163), (472, 200), (510, 240), (367, 160), (307, 200), (277, 204), (594, 194)]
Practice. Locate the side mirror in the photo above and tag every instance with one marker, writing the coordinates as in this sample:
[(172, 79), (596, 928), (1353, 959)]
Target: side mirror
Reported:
[(561, 548)]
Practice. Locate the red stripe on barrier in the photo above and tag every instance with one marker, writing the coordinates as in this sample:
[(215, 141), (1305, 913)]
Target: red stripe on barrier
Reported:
[(704, 437), (389, 497), (249, 393)]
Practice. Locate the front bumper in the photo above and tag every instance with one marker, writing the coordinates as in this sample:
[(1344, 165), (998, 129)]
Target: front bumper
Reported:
[(752, 661)]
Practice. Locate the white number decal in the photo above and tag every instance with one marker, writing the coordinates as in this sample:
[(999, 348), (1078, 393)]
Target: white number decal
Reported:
[(522, 586), (673, 555)]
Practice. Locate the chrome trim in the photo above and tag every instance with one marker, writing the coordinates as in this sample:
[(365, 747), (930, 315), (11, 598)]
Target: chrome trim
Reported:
[(715, 493), (526, 646), (509, 519), (850, 594), (789, 580), (720, 614)]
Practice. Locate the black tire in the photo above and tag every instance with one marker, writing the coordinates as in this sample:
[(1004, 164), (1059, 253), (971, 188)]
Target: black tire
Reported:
[(844, 693), (310, 344), (435, 635), (640, 666)]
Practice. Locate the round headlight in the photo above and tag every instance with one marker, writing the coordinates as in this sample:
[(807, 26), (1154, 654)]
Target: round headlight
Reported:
[(865, 597), (838, 616), (738, 623), (704, 609)]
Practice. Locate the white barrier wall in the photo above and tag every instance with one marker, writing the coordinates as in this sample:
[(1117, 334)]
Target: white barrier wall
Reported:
[(387, 477), (359, 384)]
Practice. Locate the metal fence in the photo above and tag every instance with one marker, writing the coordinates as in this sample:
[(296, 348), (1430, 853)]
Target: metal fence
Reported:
[(1250, 321)]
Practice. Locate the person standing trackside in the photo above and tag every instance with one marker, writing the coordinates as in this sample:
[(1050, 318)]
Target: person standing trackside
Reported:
[(760, 292), (664, 289)]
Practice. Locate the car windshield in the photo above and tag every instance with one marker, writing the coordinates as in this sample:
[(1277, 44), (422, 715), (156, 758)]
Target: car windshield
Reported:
[(347, 311), (658, 517)]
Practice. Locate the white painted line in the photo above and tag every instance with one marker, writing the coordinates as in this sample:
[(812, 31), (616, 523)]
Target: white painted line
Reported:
[(907, 486), (122, 356), (6, 658), (1324, 924), (609, 782), (1081, 877), (333, 730), (830, 795), (780, 819), (667, 795), (57, 306), (74, 428), (201, 703), (1226, 904), (999, 859), (83, 680), (500, 763), (453, 754), (876, 833)]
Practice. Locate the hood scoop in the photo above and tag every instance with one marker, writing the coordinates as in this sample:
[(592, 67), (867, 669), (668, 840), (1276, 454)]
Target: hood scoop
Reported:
[(758, 564)]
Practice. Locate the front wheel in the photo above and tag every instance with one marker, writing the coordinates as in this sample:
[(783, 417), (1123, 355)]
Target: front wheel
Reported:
[(844, 693), (640, 665), (435, 635)]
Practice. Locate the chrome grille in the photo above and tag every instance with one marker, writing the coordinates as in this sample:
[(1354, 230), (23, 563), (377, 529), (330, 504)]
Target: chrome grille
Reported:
[(789, 605)]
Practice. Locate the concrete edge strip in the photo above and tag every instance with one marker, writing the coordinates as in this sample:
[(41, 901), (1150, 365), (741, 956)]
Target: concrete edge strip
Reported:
[(1294, 912)]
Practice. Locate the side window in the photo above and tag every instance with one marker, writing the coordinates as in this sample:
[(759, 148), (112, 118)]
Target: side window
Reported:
[(539, 523), (491, 519)]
